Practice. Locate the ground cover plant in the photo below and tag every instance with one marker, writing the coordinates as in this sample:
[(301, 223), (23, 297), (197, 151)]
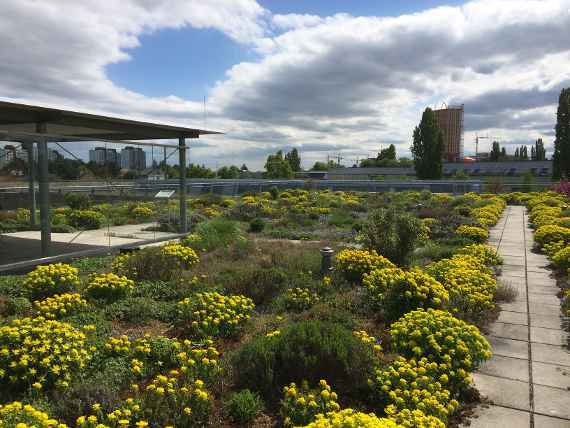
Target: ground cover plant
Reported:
[(231, 327)]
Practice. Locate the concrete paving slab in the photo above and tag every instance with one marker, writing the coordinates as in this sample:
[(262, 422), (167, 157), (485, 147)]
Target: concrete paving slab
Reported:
[(551, 375), (496, 416), (541, 309), (543, 298), (549, 336), (513, 260), (509, 331), (552, 401), (551, 320), (511, 368), (550, 354), (509, 347), (503, 392), (513, 318), (514, 307), (517, 271), (548, 290), (541, 421)]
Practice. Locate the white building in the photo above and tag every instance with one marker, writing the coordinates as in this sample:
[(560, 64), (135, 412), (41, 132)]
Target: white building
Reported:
[(101, 156)]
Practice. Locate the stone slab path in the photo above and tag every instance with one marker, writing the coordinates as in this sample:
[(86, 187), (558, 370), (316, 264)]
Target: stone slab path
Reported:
[(528, 378)]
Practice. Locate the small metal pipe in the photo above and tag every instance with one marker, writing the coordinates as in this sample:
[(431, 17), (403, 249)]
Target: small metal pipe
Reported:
[(326, 260), (31, 183)]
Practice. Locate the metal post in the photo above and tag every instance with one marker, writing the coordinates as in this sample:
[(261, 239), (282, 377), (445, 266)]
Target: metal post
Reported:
[(31, 183), (182, 162), (326, 260), (44, 193)]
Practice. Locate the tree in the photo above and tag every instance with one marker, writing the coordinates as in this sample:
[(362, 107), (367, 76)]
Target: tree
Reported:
[(244, 167), (495, 153), (277, 167), (294, 160), (66, 169), (427, 147), (503, 153), (320, 166), (539, 150), (561, 157), (199, 171), (228, 172), (517, 155), (388, 153)]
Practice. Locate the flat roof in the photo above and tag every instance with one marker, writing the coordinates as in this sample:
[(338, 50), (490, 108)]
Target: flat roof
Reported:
[(66, 125)]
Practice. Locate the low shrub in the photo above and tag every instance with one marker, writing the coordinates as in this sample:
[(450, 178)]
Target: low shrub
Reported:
[(394, 234), (150, 263), (414, 385), (261, 284), (473, 233), (109, 286), (306, 350), (213, 314), (244, 407), (16, 306), (301, 405), (60, 305), (77, 201), (140, 310), (47, 280), (85, 219), (354, 263), (40, 353), (212, 234), (395, 291), (551, 233), (444, 339), (256, 225)]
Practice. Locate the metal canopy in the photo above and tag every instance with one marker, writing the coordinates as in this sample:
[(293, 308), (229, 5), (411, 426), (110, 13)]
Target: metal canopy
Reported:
[(23, 118), (34, 124)]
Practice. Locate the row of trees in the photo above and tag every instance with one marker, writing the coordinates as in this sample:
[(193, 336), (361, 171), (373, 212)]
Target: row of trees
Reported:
[(283, 166), (561, 157)]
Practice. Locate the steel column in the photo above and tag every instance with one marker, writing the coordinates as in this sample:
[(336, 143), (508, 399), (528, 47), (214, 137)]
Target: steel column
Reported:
[(44, 193), (182, 168), (31, 183)]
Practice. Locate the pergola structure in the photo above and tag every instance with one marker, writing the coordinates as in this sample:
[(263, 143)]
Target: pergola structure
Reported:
[(30, 124)]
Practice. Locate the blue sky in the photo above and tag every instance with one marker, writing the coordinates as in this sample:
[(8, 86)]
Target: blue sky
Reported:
[(324, 76)]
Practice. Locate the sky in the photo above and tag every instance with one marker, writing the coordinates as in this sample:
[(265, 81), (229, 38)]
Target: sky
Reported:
[(324, 76)]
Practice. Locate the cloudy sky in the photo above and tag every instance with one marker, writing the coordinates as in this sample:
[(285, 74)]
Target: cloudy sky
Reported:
[(325, 76)]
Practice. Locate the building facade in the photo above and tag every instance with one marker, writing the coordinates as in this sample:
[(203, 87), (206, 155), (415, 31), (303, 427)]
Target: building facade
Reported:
[(102, 156), (450, 121), (133, 158)]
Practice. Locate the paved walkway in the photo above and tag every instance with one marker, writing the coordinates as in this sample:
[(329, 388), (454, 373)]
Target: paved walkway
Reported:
[(528, 378)]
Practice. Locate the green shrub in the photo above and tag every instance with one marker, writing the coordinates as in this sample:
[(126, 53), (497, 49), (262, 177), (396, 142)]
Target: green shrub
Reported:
[(85, 219), (77, 201), (261, 284), (393, 234), (306, 350), (244, 407), (16, 306), (212, 234), (256, 225), (140, 310), (150, 263), (444, 339)]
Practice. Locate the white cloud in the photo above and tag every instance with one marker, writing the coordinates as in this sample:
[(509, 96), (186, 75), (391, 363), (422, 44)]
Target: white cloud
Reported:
[(340, 82)]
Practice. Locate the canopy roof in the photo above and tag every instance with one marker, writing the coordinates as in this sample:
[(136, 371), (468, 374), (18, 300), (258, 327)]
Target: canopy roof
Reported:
[(65, 125)]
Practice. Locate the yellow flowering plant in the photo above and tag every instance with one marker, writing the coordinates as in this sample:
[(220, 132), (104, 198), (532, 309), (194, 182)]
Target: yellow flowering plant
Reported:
[(184, 255), (60, 305), (214, 314), (300, 299), (414, 385), (395, 291), (301, 405), (551, 233), (407, 418), (349, 418), (444, 339), (19, 415), (40, 353), (354, 263), (561, 258), (551, 248), (483, 252), (109, 286), (369, 340), (47, 280), (473, 233)]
